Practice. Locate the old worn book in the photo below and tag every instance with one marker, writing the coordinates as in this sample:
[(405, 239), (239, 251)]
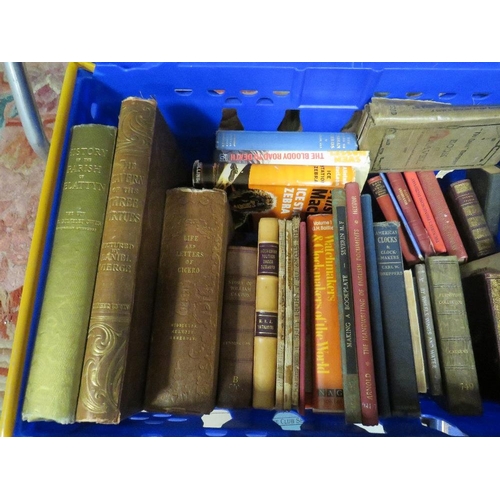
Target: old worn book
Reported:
[(361, 305), (185, 342), (491, 262), (482, 301), (416, 335), (458, 367), (409, 209), (280, 334), (402, 134), (486, 184), (470, 220), (296, 299), (429, 334), (442, 215), (377, 326), (325, 320), (236, 344), (266, 315), (388, 209), (350, 373), (304, 315), (147, 161), (425, 212), (397, 331), (56, 364), (289, 317)]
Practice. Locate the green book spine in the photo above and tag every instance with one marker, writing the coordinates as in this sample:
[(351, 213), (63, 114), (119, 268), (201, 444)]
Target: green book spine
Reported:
[(56, 364), (460, 382)]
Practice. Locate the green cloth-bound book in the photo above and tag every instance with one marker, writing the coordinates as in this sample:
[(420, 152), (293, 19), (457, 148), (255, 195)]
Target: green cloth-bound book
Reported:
[(56, 364)]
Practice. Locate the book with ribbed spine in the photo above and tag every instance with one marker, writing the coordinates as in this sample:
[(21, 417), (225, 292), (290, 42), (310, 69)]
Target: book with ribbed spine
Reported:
[(458, 367), (296, 299), (289, 318), (147, 161), (184, 352), (266, 315), (442, 215), (56, 364), (237, 330), (470, 220), (397, 334), (350, 374), (361, 305), (486, 184), (429, 334), (327, 364), (383, 399)]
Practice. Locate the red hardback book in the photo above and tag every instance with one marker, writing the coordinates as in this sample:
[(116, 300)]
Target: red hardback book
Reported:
[(384, 201), (366, 367), (442, 214), (425, 212), (405, 200)]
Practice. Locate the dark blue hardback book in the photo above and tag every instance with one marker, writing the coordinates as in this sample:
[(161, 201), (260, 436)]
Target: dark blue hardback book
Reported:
[(401, 374), (379, 357)]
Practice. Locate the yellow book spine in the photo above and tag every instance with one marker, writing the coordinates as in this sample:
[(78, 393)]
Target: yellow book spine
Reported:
[(266, 315)]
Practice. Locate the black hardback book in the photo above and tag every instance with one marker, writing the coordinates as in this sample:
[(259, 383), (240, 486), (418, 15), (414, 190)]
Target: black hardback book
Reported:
[(397, 334)]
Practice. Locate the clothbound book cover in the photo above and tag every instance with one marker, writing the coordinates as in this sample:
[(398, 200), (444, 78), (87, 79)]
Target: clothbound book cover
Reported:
[(184, 354), (56, 364), (147, 162)]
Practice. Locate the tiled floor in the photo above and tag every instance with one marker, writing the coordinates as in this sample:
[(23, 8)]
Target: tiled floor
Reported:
[(21, 175)]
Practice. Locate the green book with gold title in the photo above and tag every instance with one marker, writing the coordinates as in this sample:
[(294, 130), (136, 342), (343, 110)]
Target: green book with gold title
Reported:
[(54, 377)]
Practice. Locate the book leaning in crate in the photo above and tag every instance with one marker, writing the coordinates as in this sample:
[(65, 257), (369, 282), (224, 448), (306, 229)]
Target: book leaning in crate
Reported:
[(192, 279)]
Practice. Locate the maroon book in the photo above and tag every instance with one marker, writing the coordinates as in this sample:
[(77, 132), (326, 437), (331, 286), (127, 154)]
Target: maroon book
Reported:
[(384, 201), (410, 211), (364, 349), (442, 214), (303, 314)]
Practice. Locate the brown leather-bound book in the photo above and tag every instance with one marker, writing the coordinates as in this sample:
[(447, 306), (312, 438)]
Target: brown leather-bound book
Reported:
[(384, 201), (460, 382), (470, 220), (442, 215), (185, 341), (482, 300), (146, 162), (238, 312), (409, 209)]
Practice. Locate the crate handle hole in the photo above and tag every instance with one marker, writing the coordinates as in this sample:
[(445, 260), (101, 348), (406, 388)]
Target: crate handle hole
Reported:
[(281, 93), (479, 96), (447, 96), (381, 94), (265, 101), (233, 100), (414, 95), (249, 92), (216, 92), (184, 92)]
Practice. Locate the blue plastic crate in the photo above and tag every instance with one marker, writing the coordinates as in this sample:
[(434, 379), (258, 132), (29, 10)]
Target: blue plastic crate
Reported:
[(192, 96)]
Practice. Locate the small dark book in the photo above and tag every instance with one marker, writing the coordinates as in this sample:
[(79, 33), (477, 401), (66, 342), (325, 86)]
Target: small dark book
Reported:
[(238, 313), (185, 342), (458, 367), (482, 300), (401, 373)]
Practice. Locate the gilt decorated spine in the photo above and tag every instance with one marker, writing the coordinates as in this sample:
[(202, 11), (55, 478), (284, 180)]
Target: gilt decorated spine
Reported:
[(146, 162)]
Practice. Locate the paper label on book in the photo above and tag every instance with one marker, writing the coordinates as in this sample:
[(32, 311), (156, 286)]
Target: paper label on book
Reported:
[(268, 259), (266, 324)]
